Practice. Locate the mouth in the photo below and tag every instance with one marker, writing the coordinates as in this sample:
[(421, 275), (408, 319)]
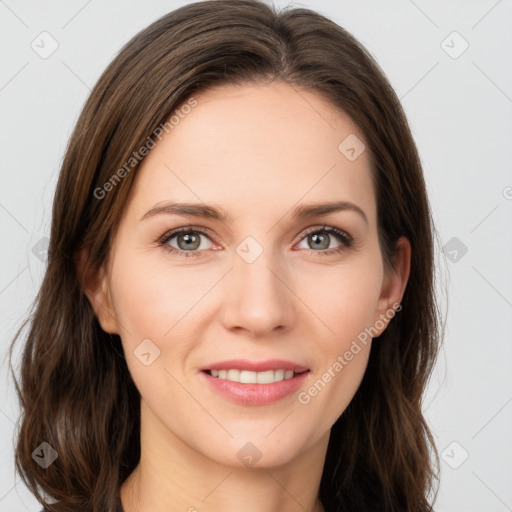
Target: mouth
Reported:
[(254, 383)]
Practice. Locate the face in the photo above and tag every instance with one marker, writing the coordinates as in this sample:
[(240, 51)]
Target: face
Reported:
[(259, 280)]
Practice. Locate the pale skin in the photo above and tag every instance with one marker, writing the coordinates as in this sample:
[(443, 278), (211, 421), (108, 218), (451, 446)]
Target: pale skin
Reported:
[(256, 152)]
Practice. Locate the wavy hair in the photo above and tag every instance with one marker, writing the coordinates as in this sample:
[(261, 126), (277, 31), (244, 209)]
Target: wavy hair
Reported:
[(75, 390)]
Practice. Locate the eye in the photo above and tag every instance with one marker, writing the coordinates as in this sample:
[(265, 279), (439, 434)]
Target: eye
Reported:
[(321, 238), (188, 240)]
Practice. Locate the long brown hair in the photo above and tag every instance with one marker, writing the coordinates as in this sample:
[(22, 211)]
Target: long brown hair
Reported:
[(76, 392)]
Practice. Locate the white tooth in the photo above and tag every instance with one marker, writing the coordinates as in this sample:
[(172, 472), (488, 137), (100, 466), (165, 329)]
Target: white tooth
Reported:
[(248, 377), (266, 377), (233, 375), (279, 375)]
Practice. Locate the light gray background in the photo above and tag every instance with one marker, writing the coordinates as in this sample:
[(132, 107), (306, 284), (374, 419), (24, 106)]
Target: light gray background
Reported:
[(460, 111)]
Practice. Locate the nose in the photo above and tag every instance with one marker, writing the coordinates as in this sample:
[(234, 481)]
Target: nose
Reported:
[(258, 298)]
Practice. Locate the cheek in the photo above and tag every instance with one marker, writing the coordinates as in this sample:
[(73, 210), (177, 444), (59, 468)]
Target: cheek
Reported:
[(151, 303), (334, 388), (154, 301), (162, 305), (344, 300)]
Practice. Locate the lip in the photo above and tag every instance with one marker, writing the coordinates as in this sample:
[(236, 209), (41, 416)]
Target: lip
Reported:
[(256, 366), (254, 394)]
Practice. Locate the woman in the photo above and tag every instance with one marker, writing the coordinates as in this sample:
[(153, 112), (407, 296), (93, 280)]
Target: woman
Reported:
[(239, 302)]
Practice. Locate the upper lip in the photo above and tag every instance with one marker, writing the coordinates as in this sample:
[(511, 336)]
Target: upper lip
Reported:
[(256, 366)]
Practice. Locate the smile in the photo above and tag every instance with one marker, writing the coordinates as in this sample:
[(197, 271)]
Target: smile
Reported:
[(247, 382)]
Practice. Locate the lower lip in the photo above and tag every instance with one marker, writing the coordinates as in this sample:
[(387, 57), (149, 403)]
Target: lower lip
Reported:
[(255, 394)]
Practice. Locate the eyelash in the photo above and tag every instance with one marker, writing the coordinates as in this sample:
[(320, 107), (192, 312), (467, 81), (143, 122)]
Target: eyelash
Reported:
[(343, 237)]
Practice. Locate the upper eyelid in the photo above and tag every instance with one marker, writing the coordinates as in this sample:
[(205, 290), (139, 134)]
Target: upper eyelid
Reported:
[(173, 232)]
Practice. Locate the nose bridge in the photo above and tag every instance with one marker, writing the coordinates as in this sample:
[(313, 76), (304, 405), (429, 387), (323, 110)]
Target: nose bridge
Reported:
[(257, 298)]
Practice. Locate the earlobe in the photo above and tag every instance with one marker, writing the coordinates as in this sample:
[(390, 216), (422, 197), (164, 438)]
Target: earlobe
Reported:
[(96, 288), (395, 282)]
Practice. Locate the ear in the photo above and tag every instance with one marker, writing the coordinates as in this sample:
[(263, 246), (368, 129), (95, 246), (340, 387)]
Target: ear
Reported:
[(97, 289), (393, 286)]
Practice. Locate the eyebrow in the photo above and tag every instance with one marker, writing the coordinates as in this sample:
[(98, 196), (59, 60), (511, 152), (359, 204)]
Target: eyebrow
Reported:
[(215, 213)]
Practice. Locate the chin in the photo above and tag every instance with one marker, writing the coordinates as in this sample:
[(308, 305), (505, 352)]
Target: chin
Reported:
[(259, 450)]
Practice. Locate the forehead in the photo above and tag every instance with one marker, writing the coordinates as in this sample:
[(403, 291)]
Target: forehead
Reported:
[(252, 148)]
